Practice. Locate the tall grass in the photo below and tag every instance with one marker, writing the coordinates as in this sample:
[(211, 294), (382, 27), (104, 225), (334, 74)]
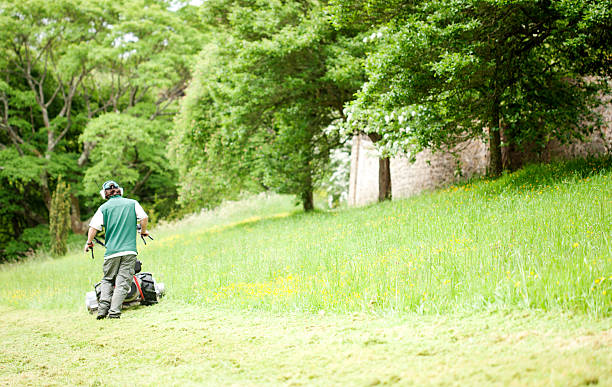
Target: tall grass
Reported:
[(537, 238)]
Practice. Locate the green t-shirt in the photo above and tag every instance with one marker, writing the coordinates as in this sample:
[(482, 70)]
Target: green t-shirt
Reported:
[(119, 217)]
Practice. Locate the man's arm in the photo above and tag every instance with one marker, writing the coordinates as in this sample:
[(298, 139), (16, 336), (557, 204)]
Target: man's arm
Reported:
[(94, 226), (90, 236), (142, 216), (143, 226)]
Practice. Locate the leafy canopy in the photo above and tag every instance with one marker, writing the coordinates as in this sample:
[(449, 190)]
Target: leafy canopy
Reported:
[(440, 71), (274, 77)]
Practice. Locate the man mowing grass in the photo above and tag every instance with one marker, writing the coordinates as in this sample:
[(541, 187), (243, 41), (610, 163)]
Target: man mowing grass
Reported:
[(120, 217)]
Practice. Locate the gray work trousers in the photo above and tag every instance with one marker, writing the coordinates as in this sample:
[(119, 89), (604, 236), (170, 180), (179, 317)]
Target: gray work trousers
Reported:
[(120, 271)]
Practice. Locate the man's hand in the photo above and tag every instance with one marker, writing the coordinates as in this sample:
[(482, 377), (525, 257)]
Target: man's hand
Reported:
[(88, 245), (91, 234)]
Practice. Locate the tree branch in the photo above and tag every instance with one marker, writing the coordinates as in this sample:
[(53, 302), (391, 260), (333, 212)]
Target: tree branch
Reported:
[(88, 146), (20, 63), (67, 108), (167, 98), (61, 135), (142, 182), (44, 51), (133, 94), (44, 74), (57, 89), (27, 212), (15, 138), (143, 94)]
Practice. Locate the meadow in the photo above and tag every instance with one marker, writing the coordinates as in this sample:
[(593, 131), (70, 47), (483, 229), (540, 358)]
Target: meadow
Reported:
[(513, 273), (539, 239)]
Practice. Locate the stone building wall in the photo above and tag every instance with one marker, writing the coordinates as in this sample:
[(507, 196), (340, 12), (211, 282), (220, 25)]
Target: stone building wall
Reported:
[(598, 142), (431, 171), (363, 180), (434, 170)]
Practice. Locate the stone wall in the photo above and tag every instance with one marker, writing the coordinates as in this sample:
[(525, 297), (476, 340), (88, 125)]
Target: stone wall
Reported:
[(429, 171), (434, 170), (598, 142), (363, 180)]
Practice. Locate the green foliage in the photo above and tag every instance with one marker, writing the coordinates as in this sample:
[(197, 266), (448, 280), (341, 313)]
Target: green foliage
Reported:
[(29, 241), (440, 71), (197, 150), (59, 218), (274, 77), (25, 169), (64, 64), (19, 203), (127, 148)]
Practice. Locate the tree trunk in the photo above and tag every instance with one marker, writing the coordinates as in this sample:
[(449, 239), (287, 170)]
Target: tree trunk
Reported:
[(384, 179), (307, 200), (495, 154), (384, 173), (87, 148), (44, 177), (77, 225)]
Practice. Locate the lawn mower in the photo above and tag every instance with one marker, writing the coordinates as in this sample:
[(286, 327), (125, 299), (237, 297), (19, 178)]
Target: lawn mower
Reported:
[(143, 291)]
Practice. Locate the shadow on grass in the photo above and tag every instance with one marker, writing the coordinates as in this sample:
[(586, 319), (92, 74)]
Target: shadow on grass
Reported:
[(295, 217), (253, 221)]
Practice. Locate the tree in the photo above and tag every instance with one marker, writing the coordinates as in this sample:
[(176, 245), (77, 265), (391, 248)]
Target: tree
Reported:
[(209, 165), (442, 71), (49, 47), (134, 99), (127, 150), (284, 77), (64, 64)]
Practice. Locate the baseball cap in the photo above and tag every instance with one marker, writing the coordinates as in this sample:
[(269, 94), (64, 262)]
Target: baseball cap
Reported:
[(109, 184)]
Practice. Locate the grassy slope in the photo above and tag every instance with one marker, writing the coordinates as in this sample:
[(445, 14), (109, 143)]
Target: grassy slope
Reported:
[(539, 238), (485, 256)]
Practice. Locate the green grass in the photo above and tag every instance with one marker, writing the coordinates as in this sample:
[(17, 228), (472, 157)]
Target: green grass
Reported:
[(177, 345), (539, 238), (493, 282)]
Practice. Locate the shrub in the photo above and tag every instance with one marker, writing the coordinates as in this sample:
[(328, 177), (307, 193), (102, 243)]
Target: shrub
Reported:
[(59, 218)]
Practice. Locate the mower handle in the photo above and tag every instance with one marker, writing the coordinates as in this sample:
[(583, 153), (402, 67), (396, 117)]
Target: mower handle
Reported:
[(144, 240), (90, 247)]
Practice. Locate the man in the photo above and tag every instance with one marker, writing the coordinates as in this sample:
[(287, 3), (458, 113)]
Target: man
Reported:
[(119, 216)]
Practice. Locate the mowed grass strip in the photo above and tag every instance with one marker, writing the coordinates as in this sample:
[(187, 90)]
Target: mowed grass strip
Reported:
[(539, 238), (173, 344)]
